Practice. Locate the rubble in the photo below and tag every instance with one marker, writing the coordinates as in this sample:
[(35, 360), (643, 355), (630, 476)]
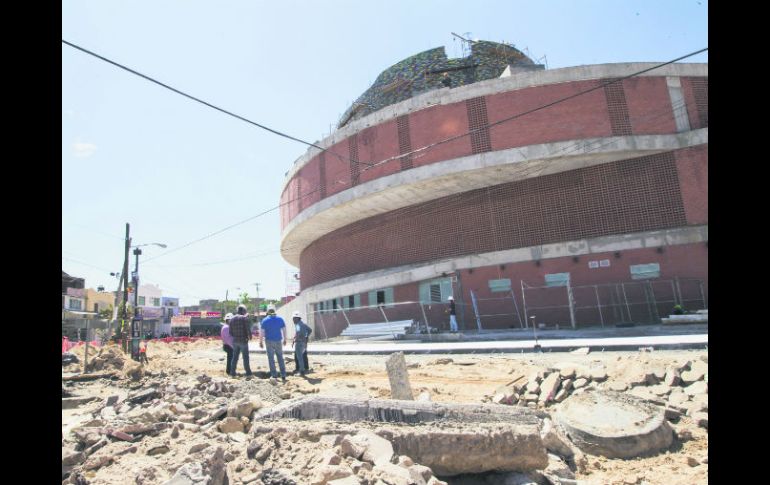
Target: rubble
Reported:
[(194, 428)]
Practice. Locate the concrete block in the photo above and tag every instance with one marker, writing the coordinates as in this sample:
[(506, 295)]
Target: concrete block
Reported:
[(399, 378)]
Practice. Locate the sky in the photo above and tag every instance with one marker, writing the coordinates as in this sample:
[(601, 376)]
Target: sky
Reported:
[(177, 171)]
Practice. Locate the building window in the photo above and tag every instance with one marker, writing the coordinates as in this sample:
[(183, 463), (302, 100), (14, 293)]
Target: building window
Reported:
[(500, 286), (334, 305), (381, 297), (75, 304), (435, 291), (557, 279), (141, 301), (156, 302), (351, 301), (644, 271)]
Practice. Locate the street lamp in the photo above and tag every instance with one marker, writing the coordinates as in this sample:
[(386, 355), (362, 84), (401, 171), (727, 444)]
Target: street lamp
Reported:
[(135, 277)]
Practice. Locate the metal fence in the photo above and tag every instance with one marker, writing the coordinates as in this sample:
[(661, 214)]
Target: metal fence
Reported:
[(611, 304), (497, 312)]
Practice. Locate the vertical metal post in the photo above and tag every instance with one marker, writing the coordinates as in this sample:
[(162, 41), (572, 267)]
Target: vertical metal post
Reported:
[(323, 326), (85, 360), (571, 303), (673, 291), (702, 295), (516, 308), (345, 315), (427, 324), (628, 309), (386, 320), (599, 304), (124, 313), (679, 290), (461, 300), (524, 303), (651, 302), (476, 310)]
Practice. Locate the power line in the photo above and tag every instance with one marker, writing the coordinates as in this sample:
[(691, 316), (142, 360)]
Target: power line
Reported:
[(206, 103), (254, 255), (86, 264)]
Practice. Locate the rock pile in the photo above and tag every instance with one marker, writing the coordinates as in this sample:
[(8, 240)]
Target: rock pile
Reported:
[(681, 389), (544, 387)]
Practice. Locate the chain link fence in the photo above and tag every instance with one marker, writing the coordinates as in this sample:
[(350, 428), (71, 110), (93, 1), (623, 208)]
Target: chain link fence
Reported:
[(611, 304)]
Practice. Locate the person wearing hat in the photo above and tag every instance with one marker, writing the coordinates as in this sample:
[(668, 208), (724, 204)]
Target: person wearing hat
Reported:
[(274, 332), (452, 315), (240, 329), (301, 334), (227, 343)]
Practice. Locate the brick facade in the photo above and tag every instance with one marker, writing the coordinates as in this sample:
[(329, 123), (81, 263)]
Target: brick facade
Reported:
[(622, 197), (638, 106)]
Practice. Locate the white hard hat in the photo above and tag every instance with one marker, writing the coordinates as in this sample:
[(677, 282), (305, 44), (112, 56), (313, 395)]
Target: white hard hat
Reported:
[(450, 298), (271, 308), (228, 317), (296, 314)]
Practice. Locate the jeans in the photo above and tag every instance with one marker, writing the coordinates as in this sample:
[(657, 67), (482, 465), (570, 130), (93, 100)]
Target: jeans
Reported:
[(275, 347), (299, 356), (229, 351), (240, 348), (453, 322)]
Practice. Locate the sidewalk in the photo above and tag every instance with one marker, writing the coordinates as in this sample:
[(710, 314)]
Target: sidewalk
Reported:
[(563, 344)]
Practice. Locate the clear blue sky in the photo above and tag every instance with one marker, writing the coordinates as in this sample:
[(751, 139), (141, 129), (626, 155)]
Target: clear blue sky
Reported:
[(177, 171)]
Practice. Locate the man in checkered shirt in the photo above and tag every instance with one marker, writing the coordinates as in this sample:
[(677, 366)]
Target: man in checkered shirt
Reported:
[(240, 330)]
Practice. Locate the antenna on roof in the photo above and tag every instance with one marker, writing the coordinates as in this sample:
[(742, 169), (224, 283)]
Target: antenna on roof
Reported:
[(467, 42)]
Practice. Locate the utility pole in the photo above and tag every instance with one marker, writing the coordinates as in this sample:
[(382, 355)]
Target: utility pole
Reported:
[(124, 316), (134, 321)]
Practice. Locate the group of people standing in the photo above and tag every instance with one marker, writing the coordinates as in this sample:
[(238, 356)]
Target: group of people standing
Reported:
[(236, 334)]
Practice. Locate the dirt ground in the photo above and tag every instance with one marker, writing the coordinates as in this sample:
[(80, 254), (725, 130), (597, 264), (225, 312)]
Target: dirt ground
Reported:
[(458, 378)]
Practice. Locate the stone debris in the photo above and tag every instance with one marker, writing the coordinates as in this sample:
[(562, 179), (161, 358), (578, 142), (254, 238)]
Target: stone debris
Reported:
[(212, 430)]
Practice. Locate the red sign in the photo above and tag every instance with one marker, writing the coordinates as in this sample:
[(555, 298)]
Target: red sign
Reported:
[(204, 314)]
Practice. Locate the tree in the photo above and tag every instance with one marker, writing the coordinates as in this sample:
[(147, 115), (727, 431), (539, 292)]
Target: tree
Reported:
[(106, 313), (243, 299)]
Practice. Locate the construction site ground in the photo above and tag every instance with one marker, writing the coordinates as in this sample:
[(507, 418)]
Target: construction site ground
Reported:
[(171, 436)]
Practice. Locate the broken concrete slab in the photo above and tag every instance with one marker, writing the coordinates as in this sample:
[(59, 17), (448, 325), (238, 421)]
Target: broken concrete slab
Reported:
[(395, 411), (598, 375), (613, 424), (699, 387), (189, 474), (698, 370), (73, 402), (554, 439), (503, 448), (398, 377), (367, 446), (701, 419), (672, 377), (549, 386), (581, 382)]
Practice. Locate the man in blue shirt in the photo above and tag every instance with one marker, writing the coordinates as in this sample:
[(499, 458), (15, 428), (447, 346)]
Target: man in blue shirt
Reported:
[(274, 332)]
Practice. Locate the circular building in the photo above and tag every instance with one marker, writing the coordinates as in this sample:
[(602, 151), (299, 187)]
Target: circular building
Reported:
[(520, 191)]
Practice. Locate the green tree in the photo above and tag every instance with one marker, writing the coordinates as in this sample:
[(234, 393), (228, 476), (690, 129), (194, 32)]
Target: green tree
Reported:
[(107, 313)]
